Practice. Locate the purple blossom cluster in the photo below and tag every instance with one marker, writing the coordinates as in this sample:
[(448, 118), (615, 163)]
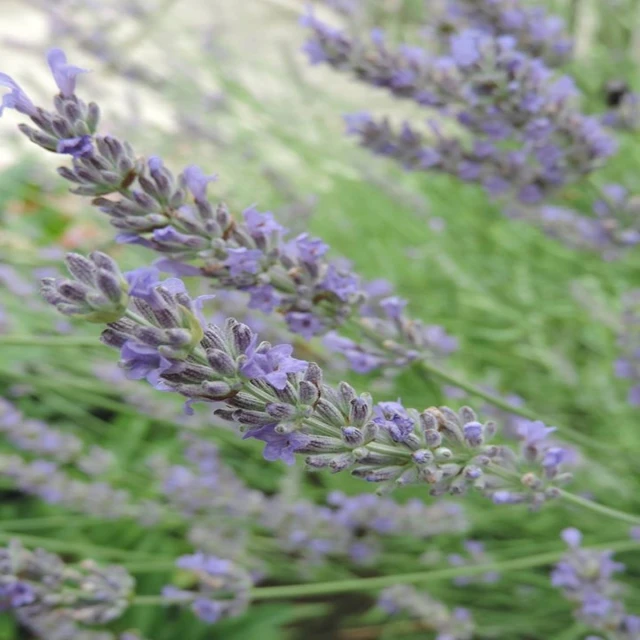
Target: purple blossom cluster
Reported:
[(613, 227), (284, 402), (524, 137), (46, 480), (538, 33), (173, 216), (221, 588), (40, 589), (627, 366), (213, 499), (587, 578), (432, 614), (38, 438)]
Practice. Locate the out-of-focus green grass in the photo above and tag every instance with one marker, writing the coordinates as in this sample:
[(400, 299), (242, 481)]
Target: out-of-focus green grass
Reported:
[(533, 318)]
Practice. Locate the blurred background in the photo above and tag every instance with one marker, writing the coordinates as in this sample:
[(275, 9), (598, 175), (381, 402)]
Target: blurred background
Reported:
[(225, 85)]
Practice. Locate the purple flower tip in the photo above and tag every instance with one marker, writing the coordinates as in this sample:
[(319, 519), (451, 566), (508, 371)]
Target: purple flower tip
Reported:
[(63, 73), (572, 537)]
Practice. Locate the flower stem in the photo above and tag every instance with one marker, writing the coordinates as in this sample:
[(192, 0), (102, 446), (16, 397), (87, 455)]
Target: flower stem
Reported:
[(78, 548), (578, 437), (599, 508), (49, 341), (423, 577)]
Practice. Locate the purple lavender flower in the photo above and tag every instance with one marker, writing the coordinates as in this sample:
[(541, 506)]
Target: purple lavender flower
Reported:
[(342, 285), (143, 362), (243, 260), (76, 147), (586, 578), (305, 324), (196, 181), (63, 73), (17, 99), (309, 249), (393, 417), (271, 364), (261, 224), (216, 577), (142, 283), (278, 446), (263, 297)]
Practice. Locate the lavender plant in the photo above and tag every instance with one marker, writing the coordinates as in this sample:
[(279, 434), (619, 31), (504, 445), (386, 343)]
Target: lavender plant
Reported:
[(238, 534), (174, 217), (493, 90)]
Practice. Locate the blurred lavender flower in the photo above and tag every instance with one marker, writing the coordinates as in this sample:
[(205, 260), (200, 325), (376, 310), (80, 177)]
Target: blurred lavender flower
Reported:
[(612, 229), (434, 615), (538, 34), (586, 578), (51, 484), (215, 578), (527, 138), (34, 436), (38, 583)]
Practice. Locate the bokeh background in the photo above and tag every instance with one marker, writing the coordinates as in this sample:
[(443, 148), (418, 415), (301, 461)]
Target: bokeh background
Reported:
[(224, 85)]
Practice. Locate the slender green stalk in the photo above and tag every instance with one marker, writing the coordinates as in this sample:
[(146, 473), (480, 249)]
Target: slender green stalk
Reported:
[(10, 340), (44, 522), (423, 577), (599, 508), (78, 548)]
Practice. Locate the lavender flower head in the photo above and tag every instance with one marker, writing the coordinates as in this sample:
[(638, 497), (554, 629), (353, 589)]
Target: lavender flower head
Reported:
[(493, 90), (587, 579), (39, 583), (448, 624), (283, 401), (222, 588)]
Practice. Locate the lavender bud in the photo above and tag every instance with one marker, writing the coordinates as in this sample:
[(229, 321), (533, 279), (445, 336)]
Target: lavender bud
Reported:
[(222, 363), (347, 393), (216, 390), (383, 474), (360, 410), (353, 436), (422, 456), (329, 413), (313, 374), (280, 411), (308, 392), (433, 438)]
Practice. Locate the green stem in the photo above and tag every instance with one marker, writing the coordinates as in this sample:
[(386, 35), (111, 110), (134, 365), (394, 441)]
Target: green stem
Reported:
[(497, 401), (423, 577), (49, 341), (599, 508), (78, 548), (44, 522)]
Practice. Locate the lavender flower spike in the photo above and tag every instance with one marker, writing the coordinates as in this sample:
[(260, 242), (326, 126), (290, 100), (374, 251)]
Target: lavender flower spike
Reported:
[(34, 584), (282, 401), (172, 215)]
